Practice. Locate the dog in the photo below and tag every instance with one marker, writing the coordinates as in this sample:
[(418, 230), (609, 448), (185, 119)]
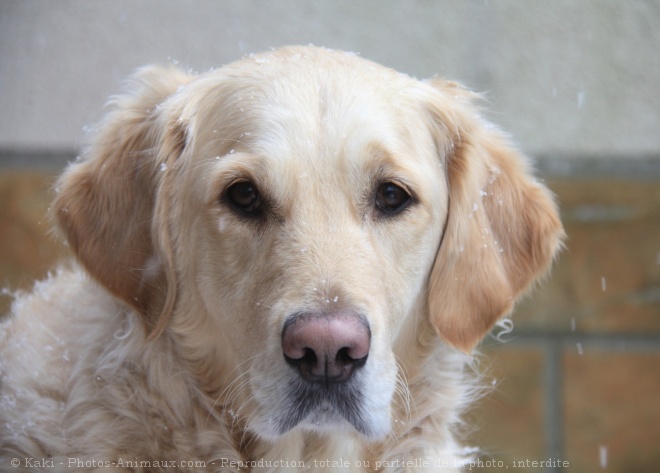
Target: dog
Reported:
[(282, 263)]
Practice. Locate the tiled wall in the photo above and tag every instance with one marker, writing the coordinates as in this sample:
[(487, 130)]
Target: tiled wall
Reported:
[(578, 379)]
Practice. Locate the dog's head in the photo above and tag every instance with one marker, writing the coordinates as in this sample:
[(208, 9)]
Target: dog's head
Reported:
[(294, 220)]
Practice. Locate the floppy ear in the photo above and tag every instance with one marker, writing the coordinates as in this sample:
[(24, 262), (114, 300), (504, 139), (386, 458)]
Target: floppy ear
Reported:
[(502, 228), (106, 200)]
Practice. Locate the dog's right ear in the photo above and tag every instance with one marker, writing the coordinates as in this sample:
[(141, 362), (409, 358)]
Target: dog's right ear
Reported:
[(106, 200)]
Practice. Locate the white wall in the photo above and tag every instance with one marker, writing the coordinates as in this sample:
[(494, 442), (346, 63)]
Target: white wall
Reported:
[(567, 78)]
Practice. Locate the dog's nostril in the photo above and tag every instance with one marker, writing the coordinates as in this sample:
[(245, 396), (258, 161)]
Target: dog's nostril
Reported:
[(309, 357), (326, 348), (344, 357)]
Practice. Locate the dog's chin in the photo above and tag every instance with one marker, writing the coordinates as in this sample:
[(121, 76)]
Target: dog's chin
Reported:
[(326, 420)]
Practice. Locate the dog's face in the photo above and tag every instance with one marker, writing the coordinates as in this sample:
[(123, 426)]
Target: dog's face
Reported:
[(327, 205), (297, 220)]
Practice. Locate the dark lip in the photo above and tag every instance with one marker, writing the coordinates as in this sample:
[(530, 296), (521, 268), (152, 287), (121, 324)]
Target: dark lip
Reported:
[(330, 401)]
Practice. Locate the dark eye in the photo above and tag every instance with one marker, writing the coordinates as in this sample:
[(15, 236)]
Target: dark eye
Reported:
[(391, 198), (244, 197)]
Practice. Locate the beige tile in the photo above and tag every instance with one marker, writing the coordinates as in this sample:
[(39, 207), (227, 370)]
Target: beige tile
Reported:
[(509, 420), (608, 278), (612, 408)]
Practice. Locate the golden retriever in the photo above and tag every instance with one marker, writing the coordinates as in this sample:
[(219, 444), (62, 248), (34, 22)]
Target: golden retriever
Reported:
[(283, 263)]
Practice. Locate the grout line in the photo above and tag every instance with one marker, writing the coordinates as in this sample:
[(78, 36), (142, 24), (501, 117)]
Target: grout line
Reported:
[(553, 405), (580, 342), (585, 167), (35, 160)]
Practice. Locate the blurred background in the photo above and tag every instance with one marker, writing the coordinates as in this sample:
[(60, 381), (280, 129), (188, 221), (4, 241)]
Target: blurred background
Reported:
[(577, 84)]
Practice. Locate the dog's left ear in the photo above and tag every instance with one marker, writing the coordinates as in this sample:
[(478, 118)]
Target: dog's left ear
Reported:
[(502, 230)]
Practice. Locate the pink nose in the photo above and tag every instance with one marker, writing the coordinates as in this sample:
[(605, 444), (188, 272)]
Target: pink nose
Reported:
[(326, 348)]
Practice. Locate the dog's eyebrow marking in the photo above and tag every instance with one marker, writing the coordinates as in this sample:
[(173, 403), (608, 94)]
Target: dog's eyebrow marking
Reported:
[(386, 163)]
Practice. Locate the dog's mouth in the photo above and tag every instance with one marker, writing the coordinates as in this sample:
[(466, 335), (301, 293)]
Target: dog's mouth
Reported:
[(324, 408)]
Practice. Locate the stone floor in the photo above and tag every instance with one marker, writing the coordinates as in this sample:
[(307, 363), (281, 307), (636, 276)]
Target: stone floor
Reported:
[(578, 378)]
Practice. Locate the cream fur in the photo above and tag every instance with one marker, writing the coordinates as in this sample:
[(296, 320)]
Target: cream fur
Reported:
[(162, 342)]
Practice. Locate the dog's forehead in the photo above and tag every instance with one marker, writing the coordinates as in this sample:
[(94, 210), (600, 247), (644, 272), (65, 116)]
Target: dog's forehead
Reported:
[(305, 83), (310, 101)]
